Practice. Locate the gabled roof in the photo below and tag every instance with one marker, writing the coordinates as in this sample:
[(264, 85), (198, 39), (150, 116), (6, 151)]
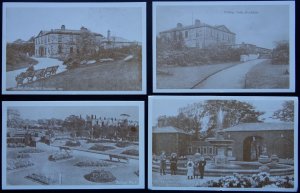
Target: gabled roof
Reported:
[(168, 129), (261, 127)]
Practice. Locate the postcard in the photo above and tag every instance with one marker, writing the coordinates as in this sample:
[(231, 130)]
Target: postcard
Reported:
[(226, 46), (74, 48), (223, 143), (73, 145)]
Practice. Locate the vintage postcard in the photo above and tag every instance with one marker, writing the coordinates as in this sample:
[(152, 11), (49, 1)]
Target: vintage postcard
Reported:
[(223, 143), (73, 145), (74, 48), (226, 46)]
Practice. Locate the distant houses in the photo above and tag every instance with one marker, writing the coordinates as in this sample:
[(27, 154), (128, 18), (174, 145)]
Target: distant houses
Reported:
[(63, 42)]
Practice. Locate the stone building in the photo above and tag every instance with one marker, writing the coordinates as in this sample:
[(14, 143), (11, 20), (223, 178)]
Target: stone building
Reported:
[(57, 42), (250, 139), (200, 35), (170, 140)]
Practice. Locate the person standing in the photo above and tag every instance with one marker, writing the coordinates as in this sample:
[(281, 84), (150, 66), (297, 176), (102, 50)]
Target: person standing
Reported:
[(173, 163), (163, 163), (201, 167), (190, 169)]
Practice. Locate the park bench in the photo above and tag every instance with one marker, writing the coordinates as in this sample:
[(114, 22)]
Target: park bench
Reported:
[(119, 157)]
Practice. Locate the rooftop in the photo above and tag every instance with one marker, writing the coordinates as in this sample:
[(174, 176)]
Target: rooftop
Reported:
[(168, 129), (261, 127), (198, 24)]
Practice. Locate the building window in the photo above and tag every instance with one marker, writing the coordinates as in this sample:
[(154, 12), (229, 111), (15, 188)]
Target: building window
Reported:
[(59, 49), (198, 150), (186, 35), (204, 150), (59, 38), (211, 150), (71, 50), (190, 150)]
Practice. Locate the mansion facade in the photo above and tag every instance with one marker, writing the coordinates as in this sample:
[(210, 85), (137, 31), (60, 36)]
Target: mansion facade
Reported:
[(199, 35), (57, 42)]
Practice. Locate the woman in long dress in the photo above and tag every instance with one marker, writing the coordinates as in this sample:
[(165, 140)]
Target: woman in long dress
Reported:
[(190, 169)]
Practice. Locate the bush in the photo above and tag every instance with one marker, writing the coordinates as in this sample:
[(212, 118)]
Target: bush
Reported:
[(93, 164), (72, 143), (122, 144), (31, 151), (100, 147), (59, 156), (133, 152), (259, 180), (13, 165), (100, 176), (41, 179), (23, 155)]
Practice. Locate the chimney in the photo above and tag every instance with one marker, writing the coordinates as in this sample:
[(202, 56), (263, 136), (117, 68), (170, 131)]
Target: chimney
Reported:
[(108, 35), (161, 122), (197, 22), (179, 25), (63, 27)]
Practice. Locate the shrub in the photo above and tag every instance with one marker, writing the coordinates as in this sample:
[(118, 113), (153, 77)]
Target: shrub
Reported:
[(100, 176), (92, 164), (41, 179), (13, 165), (23, 155), (59, 156), (133, 152), (72, 143), (100, 147), (31, 151), (122, 144)]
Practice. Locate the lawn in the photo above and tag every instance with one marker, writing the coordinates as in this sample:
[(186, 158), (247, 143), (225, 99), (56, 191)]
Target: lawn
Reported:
[(185, 77), (268, 76), (110, 76)]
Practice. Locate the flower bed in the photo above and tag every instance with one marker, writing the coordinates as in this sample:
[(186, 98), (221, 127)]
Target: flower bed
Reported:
[(92, 164), (122, 144), (15, 145), (99, 147), (41, 179), (23, 155), (16, 164), (260, 180), (100, 176), (133, 152), (72, 143), (59, 156), (31, 151)]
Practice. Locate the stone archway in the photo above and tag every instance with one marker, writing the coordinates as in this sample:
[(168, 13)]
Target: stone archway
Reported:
[(252, 148)]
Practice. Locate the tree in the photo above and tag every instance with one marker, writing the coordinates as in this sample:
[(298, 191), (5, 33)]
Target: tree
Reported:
[(286, 113), (74, 123), (86, 43), (206, 115), (14, 119), (280, 54)]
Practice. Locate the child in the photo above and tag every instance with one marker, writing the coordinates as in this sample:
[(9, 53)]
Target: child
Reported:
[(190, 169)]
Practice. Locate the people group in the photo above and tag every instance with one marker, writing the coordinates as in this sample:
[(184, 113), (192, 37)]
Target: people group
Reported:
[(195, 168)]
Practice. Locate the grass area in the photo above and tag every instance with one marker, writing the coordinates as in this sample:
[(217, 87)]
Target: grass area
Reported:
[(185, 77), (267, 75), (111, 76)]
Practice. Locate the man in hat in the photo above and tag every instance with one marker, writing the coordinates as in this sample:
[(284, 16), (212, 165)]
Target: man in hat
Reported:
[(201, 166), (173, 163), (163, 163)]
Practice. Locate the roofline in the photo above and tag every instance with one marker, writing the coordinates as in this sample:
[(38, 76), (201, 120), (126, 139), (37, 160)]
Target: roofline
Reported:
[(61, 32), (193, 27)]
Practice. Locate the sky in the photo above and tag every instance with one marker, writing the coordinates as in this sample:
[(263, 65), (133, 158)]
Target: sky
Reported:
[(170, 107), (255, 24), (26, 22), (42, 112)]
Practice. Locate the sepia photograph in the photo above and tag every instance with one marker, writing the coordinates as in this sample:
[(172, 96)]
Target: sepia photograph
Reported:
[(73, 145), (74, 48), (223, 143), (224, 46)]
